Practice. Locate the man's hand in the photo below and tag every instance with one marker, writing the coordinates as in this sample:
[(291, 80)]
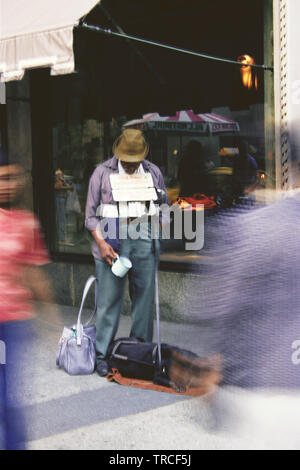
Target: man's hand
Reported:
[(107, 252)]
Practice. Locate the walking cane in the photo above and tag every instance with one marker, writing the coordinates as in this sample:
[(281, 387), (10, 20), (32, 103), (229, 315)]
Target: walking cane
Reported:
[(156, 251), (157, 317)]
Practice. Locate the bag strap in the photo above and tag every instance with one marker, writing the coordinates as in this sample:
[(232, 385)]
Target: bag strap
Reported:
[(96, 301), (79, 328)]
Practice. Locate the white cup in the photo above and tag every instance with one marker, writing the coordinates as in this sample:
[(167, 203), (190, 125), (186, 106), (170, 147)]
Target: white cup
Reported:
[(121, 266)]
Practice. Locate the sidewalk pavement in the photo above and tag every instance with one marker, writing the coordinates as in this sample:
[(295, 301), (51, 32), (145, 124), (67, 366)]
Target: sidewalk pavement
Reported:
[(88, 412)]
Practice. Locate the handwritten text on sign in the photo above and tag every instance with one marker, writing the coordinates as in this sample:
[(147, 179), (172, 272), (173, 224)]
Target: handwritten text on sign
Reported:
[(133, 188)]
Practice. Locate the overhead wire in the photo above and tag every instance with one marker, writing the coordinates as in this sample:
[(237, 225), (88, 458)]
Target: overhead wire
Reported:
[(109, 32)]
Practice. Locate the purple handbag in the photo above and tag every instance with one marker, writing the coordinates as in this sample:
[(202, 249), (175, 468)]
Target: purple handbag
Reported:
[(76, 349)]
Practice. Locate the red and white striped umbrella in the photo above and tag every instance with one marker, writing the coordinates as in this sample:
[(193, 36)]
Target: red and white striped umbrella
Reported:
[(185, 121)]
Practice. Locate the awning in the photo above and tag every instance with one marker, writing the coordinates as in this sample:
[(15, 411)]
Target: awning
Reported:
[(186, 121), (38, 33)]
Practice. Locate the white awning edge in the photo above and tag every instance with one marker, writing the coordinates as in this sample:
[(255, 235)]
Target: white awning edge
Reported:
[(24, 50), (45, 47)]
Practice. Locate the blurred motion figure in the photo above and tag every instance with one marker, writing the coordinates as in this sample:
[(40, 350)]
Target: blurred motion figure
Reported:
[(252, 296), (22, 250)]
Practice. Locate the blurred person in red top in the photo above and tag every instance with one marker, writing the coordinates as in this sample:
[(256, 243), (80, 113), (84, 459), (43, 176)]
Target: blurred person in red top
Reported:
[(22, 250)]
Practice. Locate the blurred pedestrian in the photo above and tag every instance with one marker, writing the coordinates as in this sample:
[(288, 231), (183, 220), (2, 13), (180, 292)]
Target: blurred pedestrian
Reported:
[(249, 309), (252, 299), (22, 250)]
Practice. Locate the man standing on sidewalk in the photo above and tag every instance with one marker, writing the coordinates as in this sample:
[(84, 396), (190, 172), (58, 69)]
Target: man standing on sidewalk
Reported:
[(130, 151)]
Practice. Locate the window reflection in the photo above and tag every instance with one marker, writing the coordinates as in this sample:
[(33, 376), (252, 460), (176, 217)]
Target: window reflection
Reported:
[(216, 166)]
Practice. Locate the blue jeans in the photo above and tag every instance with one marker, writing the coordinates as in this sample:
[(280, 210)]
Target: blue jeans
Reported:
[(111, 293), (15, 338)]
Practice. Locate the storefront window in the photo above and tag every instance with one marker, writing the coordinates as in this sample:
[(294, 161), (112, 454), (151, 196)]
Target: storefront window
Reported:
[(195, 165), (215, 156)]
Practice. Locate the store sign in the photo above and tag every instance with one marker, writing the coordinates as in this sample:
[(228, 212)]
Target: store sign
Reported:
[(199, 127), (178, 126), (234, 127)]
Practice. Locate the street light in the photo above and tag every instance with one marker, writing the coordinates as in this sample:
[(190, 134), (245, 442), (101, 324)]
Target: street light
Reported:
[(248, 73)]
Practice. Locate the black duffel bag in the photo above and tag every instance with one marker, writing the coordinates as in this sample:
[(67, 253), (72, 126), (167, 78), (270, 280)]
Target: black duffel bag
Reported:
[(134, 358)]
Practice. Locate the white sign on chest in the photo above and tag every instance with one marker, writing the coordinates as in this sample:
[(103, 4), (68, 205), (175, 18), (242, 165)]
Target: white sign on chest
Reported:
[(133, 188)]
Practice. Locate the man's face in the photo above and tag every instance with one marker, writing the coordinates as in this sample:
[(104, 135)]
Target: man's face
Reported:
[(11, 183), (129, 167)]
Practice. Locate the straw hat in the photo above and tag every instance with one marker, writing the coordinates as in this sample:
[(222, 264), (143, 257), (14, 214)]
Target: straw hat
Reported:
[(131, 146)]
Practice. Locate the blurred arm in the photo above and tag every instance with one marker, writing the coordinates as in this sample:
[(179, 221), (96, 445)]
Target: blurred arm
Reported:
[(39, 284)]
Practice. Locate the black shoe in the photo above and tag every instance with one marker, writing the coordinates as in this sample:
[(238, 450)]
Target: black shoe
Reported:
[(102, 368)]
